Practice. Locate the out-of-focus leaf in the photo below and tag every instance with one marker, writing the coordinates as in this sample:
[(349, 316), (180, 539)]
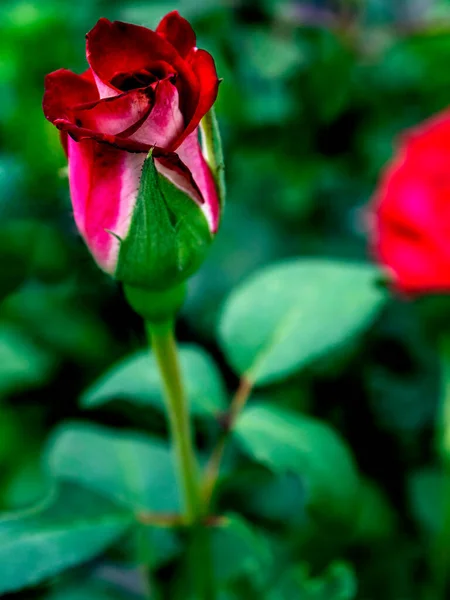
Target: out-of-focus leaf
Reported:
[(26, 486), (231, 257), (337, 583), (279, 497), (330, 68), (273, 55), (268, 102), (23, 364), (37, 246), (70, 527), (54, 320), (155, 546), (131, 469), (136, 379), (376, 519), (287, 442), (84, 592), (11, 169), (289, 314), (237, 550), (426, 499)]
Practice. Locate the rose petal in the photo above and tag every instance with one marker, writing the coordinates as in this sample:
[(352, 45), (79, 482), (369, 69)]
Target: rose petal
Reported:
[(116, 141), (411, 210), (205, 70), (170, 165), (64, 90), (165, 123), (178, 32), (104, 184), (116, 47), (191, 155), (122, 114)]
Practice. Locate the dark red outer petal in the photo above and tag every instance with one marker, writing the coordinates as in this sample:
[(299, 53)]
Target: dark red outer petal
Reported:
[(178, 32), (205, 70), (116, 47), (65, 89), (80, 133)]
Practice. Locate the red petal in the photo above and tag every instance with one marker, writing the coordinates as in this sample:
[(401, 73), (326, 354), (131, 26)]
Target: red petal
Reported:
[(120, 115), (203, 66), (64, 90), (410, 210), (114, 48), (80, 134), (111, 120), (165, 123), (178, 32)]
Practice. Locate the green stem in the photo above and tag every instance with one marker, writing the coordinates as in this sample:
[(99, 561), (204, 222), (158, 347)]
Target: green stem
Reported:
[(441, 554), (162, 338), (164, 346), (212, 469)]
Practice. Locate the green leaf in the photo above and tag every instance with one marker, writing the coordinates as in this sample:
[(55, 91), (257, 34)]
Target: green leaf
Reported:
[(168, 236), (23, 364), (136, 379), (155, 546), (375, 519), (84, 592), (52, 318), (133, 470), (274, 56), (288, 442), (30, 248), (237, 550), (425, 490), (70, 527), (289, 314), (273, 497), (337, 583)]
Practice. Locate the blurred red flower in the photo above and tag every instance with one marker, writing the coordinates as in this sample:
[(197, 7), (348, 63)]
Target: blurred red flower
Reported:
[(410, 232)]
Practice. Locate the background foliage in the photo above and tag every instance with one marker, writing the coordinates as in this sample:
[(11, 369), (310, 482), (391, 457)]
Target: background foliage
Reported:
[(314, 94)]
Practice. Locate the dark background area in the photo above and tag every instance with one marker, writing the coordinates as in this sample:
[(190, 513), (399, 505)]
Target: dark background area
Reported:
[(313, 97)]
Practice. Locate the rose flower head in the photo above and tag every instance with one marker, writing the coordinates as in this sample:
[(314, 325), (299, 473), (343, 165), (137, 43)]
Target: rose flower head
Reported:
[(144, 195), (411, 210)]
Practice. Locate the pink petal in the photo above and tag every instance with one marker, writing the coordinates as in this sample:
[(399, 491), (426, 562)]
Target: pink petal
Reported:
[(104, 183), (117, 115), (165, 123), (191, 155)]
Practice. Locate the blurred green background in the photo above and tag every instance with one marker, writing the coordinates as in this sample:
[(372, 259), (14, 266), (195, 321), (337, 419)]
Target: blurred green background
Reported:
[(314, 94)]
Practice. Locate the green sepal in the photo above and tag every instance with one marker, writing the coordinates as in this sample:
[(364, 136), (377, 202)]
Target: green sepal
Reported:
[(156, 306), (212, 150), (168, 236)]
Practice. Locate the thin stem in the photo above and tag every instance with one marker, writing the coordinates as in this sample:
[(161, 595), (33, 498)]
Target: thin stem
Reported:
[(212, 469), (164, 347)]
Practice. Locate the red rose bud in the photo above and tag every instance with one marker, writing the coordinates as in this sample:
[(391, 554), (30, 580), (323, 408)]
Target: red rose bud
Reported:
[(411, 209), (145, 195)]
